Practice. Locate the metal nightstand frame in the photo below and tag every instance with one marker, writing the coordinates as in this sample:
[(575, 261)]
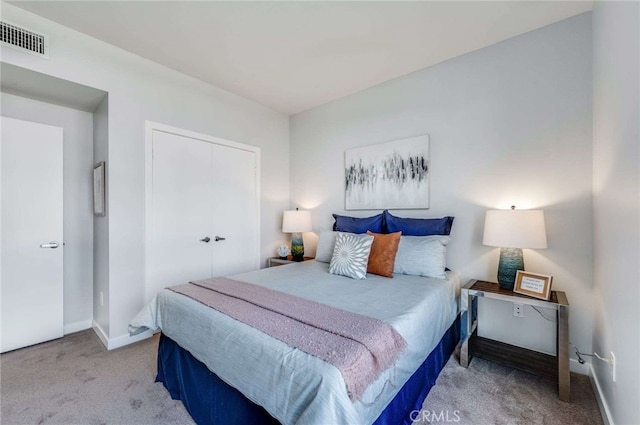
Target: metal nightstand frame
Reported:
[(521, 358)]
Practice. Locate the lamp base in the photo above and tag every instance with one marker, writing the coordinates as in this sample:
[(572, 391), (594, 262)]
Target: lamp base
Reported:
[(511, 260), (297, 247)]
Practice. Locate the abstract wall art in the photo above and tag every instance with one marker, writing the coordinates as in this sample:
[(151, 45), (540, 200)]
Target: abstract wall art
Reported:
[(392, 175)]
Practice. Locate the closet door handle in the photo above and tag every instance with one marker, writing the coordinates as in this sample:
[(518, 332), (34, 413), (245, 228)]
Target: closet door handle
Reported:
[(218, 238), (206, 239), (52, 245)]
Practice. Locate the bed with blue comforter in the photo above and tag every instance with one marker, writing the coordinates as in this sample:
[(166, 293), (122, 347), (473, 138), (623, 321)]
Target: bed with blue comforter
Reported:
[(228, 372)]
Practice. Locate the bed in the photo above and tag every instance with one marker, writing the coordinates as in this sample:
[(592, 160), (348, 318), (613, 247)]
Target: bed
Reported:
[(223, 369)]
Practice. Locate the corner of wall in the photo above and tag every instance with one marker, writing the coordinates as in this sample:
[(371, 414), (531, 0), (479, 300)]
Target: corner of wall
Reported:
[(101, 334), (605, 412), (101, 225)]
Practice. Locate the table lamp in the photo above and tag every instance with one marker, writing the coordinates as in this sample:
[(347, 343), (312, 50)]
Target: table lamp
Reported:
[(511, 230), (296, 222)]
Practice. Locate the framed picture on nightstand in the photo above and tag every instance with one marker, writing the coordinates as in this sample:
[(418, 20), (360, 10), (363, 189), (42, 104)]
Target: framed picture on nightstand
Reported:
[(533, 284)]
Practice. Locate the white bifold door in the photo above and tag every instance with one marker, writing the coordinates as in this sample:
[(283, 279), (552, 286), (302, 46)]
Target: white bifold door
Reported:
[(31, 277), (203, 208)]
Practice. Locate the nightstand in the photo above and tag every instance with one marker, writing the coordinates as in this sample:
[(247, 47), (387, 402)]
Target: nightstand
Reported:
[(471, 344), (277, 261)]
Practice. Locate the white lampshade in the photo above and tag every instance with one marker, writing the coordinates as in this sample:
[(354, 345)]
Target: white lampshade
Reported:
[(296, 221), (515, 229)]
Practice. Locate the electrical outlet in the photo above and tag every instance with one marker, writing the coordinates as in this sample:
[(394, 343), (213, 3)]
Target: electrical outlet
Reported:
[(613, 366), (518, 310), (101, 299)]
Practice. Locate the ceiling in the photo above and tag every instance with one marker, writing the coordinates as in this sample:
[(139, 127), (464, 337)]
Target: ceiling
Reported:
[(292, 56)]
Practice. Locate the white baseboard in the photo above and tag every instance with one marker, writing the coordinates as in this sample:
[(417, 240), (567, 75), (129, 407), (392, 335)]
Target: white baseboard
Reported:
[(581, 369), (123, 340), (76, 326), (120, 341), (101, 334), (602, 402)]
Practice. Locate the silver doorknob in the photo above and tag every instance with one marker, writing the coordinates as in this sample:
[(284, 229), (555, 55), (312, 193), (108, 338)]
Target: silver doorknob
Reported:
[(218, 238), (52, 245), (205, 239)]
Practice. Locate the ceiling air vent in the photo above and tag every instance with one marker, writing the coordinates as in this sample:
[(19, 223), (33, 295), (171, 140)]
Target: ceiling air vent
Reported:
[(24, 40)]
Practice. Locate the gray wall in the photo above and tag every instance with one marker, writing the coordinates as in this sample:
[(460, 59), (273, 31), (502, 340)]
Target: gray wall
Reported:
[(616, 188), (141, 90), (77, 200), (101, 224), (509, 124)]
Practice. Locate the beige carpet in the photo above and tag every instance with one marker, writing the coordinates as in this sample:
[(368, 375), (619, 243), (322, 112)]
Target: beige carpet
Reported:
[(492, 394), (75, 380)]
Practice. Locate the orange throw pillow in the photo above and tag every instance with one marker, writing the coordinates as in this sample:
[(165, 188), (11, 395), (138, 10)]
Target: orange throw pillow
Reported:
[(383, 253)]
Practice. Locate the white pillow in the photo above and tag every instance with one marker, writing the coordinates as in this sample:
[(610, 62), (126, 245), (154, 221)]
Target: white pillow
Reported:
[(422, 256), (351, 255), (326, 242)]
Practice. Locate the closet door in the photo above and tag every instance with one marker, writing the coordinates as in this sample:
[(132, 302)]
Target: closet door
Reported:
[(180, 212), (203, 212), (235, 210)]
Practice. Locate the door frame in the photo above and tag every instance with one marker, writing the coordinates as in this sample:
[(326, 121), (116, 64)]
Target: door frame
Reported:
[(150, 127)]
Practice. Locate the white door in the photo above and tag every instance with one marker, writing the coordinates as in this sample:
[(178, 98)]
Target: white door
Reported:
[(235, 208), (181, 211), (203, 218), (31, 279)]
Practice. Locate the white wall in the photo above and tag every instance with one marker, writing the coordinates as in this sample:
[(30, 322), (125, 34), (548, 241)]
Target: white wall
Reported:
[(616, 188), (141, 90), (77, 200), (101, 224), (509, 124)]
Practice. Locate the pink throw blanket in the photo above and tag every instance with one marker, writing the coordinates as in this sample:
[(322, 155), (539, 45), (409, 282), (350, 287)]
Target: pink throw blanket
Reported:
[(360, 347)]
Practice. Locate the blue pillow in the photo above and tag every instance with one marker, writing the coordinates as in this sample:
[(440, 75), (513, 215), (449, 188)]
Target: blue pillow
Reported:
[(418, 226), (358, 225)]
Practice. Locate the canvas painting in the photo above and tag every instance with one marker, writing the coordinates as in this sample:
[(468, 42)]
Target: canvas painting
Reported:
[(392, 175)]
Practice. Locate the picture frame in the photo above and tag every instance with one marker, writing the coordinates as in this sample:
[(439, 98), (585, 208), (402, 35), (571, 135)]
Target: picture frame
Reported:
[(533, 284), (99, 198), (391, 175)]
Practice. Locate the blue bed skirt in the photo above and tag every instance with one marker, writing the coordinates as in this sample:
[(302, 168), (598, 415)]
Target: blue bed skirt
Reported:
[(209, 400)]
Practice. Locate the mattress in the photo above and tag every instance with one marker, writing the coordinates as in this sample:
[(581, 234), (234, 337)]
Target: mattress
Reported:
[(294, 386)]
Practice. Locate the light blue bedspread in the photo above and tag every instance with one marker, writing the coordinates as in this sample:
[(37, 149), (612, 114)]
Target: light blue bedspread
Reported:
[(295, 387)]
